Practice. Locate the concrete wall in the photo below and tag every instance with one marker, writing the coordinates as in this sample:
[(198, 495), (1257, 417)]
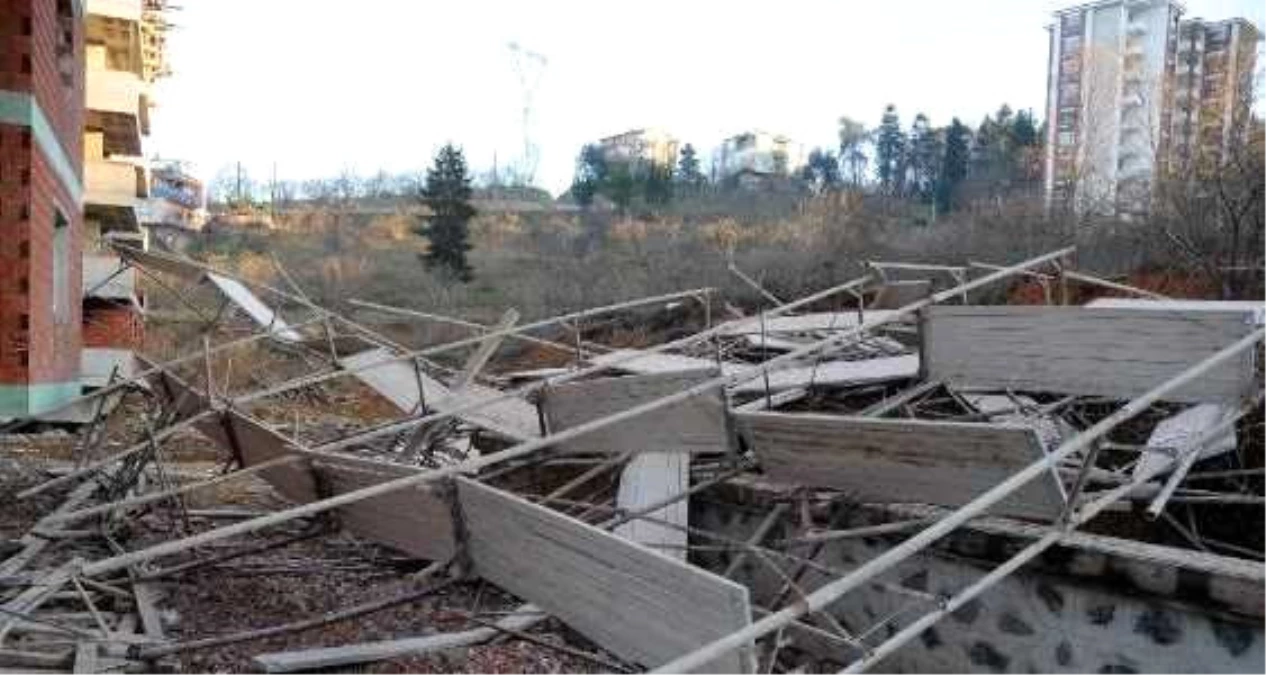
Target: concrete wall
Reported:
[(1070, 611)]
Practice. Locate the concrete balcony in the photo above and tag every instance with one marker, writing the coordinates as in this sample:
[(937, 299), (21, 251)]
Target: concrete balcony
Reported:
[(112, 183), (128, 10), (114, 91), (117, 103)]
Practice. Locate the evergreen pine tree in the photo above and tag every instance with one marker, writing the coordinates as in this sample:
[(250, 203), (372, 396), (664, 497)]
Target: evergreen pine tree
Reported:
[(822, 170), (447, 194), (591, 173), (688, 173), (954, 165), (925, 158), (890, 151)]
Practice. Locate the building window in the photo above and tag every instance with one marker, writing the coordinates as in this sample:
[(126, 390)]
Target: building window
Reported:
[(61, 269), (66, 24)]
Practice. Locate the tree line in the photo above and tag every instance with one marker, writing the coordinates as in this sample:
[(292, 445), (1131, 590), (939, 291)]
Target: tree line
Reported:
[(940, 166)]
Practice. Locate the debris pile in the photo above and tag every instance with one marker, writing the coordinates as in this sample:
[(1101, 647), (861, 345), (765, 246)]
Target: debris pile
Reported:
[(315, 494)]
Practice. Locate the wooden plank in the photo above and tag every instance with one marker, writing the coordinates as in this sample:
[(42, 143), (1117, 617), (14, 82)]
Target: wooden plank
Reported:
[(1255, 306), (255, 308), (650, 478), (836, 374), (805, 323), (883, 460), (649, 363), (147, 595), (417, 521), (87, 655), (1117, 353), (694, 426), (327, 657), (641, 606), (398, 381)]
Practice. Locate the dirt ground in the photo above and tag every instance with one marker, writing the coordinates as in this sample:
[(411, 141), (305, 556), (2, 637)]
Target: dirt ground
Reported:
[(294, 582)]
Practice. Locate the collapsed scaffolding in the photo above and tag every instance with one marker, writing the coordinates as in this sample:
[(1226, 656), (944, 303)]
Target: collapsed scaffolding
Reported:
[(673, 420)]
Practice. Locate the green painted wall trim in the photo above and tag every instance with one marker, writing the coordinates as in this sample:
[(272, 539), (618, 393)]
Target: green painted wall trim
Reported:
[(20, 108), (25, 400)]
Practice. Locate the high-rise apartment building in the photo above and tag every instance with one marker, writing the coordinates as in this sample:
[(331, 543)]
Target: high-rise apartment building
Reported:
[(41, 178), (1108, 103), (1136, 95), (1213, 91)]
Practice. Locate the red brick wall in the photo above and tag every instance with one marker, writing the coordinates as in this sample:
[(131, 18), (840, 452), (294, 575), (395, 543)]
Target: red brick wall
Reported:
[(110, 325), (33, 346), (14, 255)]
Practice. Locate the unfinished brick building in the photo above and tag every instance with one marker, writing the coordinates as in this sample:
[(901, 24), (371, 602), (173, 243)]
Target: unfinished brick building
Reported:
[(41, 169)]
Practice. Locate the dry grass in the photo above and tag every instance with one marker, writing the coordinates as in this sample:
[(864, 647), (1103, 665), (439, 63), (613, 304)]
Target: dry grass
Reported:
[(544, 264)]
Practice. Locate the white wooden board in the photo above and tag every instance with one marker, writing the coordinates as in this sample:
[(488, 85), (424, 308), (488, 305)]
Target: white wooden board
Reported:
[(650, 478), (882, 460), (398, 381), (261, 313), (1256, 307), (638, 604), (695, 425), (835, 374), (632, 361), (1117, 353), (806, 323)]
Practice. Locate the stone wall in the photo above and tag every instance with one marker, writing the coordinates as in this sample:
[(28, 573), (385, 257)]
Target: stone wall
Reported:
[(1071, 610)]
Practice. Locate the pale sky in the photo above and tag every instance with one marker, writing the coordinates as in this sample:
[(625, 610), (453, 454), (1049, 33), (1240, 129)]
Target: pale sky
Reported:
[(320, 85)]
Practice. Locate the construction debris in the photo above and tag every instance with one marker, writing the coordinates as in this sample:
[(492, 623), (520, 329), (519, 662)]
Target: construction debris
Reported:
[(784, 491)]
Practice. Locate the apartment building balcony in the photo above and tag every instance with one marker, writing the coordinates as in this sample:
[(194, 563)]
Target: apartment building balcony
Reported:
[(111, 195), (128, 10), (113, 183), (116, 103)]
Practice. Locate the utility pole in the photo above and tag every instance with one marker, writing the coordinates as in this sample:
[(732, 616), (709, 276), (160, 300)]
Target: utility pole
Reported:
[(529, 66)]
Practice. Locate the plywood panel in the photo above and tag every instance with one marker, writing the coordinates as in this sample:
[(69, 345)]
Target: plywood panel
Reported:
[(695, 425), (1118, 353), (642, 606), (880, 460), (650, 478)]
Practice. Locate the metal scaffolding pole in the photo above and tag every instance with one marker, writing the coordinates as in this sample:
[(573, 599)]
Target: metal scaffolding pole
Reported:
[(528, 447)]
